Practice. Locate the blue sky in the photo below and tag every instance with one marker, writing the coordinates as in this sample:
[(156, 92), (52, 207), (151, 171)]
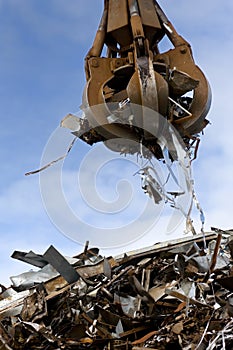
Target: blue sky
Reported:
[(43, 44)]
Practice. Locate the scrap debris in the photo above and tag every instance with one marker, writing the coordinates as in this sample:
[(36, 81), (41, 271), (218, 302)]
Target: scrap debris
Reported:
[(172, 295)]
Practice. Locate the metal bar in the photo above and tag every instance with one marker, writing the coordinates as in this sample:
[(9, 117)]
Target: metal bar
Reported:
[(181, 107), (175, 38), (99, 40), (133, 8), (61, 265), (30, 258), (163, 246), (215, 254)]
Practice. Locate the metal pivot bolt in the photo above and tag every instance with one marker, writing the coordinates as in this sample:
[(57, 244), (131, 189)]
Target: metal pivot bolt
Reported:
[(95, 63)]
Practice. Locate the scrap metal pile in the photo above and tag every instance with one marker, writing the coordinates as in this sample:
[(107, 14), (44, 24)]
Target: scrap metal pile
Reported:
[(172, 295)]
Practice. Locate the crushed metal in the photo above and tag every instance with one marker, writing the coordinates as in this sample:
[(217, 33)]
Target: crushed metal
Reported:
[(171, 295)]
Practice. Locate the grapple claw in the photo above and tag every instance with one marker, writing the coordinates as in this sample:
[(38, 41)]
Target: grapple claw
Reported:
[(169, 83)]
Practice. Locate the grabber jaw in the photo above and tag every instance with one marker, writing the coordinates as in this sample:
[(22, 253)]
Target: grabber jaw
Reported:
[(134, 73)]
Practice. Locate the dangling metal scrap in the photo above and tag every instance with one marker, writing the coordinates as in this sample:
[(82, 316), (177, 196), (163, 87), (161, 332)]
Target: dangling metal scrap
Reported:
[(134, 72)]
